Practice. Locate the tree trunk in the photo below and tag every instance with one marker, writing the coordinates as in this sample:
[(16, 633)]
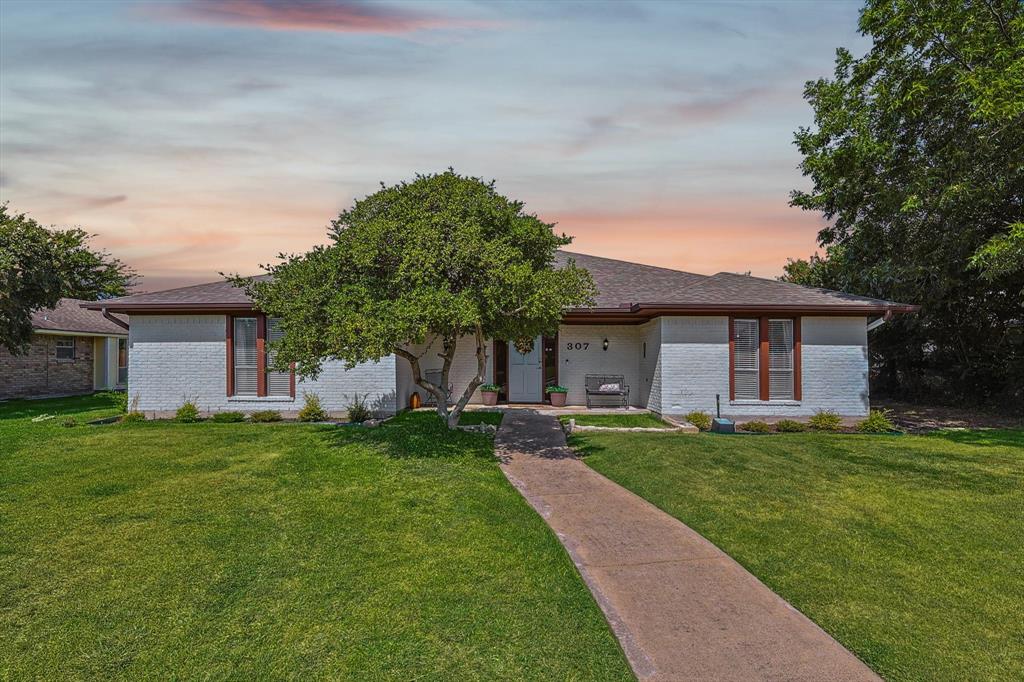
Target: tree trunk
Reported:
[(481, 373), (440, 393)]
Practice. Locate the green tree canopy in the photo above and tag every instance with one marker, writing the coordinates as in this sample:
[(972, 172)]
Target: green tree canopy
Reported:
[(440, 258), (40, 266), (917, 161)]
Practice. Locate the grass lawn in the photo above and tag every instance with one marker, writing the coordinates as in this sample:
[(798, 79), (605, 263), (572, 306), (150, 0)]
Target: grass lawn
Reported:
[(908, 549), (642, 420), (254, 551)]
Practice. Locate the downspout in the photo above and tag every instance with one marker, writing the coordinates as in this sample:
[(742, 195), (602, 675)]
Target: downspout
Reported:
[(879, 321), (108, 316)]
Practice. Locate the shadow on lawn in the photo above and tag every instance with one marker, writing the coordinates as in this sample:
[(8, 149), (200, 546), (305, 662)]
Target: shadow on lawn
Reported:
[(419, 435), (1013, 438)]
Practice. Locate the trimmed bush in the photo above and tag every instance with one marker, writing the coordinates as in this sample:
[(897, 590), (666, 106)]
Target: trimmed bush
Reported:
[(312, 410), (228, 417), (702, 420), (133, 417), (265, 416), (69, 422), (490, 388), (188, 413), (757, 427), (120, 399), (877, 422), (358, 410), (556, 389), (826, 420), (790, 426)]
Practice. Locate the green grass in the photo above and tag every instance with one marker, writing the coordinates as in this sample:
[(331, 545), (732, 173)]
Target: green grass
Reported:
[(642, 420), (908, 549), (255, 551)]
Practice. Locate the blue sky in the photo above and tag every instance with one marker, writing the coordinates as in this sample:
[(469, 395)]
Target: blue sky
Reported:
[(195, 137)]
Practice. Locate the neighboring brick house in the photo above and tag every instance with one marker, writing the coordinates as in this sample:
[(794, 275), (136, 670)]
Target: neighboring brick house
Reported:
[(72, 351), (678, 339)]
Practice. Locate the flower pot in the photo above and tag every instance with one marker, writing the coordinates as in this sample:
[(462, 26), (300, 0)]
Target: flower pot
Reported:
[(490, 397), (557, 399)]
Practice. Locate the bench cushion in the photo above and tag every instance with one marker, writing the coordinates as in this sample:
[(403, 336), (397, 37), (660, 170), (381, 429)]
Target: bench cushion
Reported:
[(610, 388)]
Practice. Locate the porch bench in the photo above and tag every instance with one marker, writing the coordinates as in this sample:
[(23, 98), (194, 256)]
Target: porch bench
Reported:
[(601, 386)]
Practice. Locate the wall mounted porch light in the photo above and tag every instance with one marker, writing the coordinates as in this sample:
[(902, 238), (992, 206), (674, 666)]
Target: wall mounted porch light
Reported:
[(605, 344)]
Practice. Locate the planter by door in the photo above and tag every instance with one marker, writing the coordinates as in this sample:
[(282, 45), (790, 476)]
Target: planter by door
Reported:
[(490, 397), (557, 399)]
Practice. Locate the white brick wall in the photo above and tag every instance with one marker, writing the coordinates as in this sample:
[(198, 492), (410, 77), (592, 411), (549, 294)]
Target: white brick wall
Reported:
[(695, 366), (687, 363), (621, 358), (172, 357)]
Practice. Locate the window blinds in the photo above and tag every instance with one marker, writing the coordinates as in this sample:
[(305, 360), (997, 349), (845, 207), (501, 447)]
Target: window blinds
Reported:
[(780, 359), (745, 354), (278, 383), (245, 355)]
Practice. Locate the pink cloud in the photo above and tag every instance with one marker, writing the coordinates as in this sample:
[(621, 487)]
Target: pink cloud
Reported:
[(337, 16)]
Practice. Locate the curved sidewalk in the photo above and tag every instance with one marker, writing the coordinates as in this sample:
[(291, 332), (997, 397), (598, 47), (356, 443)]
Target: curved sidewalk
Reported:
[(682, 608)]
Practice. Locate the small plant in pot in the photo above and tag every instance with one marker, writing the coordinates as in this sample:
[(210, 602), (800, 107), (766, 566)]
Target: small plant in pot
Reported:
[(490, 393), (557, 395)]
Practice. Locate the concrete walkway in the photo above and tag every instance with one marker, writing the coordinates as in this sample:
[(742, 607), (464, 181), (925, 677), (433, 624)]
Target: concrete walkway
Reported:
[(682, 609)]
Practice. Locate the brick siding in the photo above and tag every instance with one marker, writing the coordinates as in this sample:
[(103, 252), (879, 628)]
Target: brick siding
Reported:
[(39, 373)]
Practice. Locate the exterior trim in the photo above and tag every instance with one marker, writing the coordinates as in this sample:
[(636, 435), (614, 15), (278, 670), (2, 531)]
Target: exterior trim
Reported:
[(732, 360), (229, 344), (261, 355), (764, 358), (797, 352)]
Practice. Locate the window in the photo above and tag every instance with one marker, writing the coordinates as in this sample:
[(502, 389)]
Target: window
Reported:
[(764, 359), (746, 368), (64, 348), (278, 383), (780, 359), (248, 339), (122, 361)]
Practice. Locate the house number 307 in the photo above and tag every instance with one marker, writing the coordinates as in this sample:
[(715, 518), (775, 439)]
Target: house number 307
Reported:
[(578, 345)]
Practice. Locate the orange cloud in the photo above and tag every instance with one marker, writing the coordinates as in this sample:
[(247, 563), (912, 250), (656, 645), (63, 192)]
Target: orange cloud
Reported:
[(698, 237), (338, 16)]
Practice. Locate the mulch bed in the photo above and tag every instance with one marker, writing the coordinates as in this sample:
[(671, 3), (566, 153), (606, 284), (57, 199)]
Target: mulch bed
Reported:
[(912, 417)]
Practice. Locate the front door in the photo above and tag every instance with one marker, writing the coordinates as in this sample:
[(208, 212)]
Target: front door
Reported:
[(525, 374)]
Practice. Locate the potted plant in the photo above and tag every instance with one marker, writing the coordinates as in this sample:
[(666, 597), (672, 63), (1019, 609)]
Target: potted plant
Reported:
[(557, 395), (490, 393)]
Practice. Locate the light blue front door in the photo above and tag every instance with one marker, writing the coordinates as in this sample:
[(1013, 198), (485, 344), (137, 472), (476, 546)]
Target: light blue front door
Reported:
[(525, 376)]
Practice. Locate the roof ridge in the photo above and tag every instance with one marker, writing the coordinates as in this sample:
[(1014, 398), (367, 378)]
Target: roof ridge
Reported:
[(163, 291), (635, 264)]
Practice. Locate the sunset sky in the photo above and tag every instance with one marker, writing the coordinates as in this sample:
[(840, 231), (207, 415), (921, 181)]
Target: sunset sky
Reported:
[(201, 136)]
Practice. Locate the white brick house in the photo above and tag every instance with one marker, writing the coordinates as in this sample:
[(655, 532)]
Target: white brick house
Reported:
[(677, 339)]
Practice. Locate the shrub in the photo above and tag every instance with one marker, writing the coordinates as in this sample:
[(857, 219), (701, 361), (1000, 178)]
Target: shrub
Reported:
[(702, 420), (757, 427), (265, 416), (133, 417), (68, 421), (556, 389), (312, 410), (228, 417), (119, 398), (877, 422), (790, 426), (490, 388), (358, 410), (188, 413), (826, 420)]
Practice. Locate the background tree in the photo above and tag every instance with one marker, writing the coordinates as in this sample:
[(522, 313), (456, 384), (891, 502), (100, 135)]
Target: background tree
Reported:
[(437, 259), (40, 266), (917, 161)]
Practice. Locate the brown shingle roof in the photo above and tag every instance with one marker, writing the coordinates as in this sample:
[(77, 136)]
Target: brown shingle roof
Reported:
[(69, 316), (623, 287)]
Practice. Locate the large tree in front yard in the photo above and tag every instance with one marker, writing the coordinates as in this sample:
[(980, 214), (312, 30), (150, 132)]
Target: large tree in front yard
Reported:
[(437, 259), (39, 266), (917, 162)]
